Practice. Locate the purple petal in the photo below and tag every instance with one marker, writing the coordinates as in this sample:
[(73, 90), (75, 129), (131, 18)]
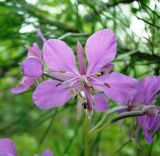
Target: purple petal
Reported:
[(7, 147), (23, 85), (148, 136), (81, 59), (154, 123), (106, 69), (60, 75), (100, 103), (35, 51), (139, 97), (32, 67), (144, 123), (47, 153), (151, 87), (51, 94), (116, 86), (100, 49), (147, 89), (59, 56)]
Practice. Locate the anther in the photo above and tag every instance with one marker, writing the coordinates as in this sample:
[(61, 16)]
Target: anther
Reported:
[(62, 71), (106, 84), (58, 84), (84, 104)]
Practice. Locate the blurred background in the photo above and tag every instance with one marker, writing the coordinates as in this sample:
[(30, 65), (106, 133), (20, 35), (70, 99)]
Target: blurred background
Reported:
[(137, 27)]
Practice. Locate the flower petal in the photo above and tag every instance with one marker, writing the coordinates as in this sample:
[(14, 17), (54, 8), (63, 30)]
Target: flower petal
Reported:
[(147, 89), (60, 75), (7, 147), (47, 153), (151, 87), (59, 56), (100, 103), (51, 94), (23, 85), (144, 123), (35, 51), (32, 67), (106, 69), (100, 49), (148, 136), (116, 86), (154, 123)]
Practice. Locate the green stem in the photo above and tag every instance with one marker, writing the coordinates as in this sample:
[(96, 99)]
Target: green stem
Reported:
[(87, 136), (121, 116), (110, 112)]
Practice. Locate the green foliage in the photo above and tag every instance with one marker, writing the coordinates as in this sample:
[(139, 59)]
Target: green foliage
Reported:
[(61, 129)]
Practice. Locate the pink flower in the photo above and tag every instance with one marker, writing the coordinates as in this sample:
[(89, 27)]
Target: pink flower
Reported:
[(147, 89), (32, 68), (95, 81)]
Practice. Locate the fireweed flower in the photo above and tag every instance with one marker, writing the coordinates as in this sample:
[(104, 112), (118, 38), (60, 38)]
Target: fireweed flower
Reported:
[(32, 68), (95, 82), (7, 148), (147, 90)]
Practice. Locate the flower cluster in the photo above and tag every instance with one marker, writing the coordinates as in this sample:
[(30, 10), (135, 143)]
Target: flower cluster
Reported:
[(57, 78)]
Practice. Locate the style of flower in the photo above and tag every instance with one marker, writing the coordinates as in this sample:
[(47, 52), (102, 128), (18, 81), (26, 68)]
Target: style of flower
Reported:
[(147, 89), (95, 82), (7, 148), (32, 68)]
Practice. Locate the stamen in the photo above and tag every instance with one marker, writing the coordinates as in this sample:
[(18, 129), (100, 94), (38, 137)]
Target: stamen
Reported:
[(106, 84), (92, 90), (73, 91), (84, 105), (58, 84), (100, 82), (75, 80), (98, 74), (62, 71), (21, 83)]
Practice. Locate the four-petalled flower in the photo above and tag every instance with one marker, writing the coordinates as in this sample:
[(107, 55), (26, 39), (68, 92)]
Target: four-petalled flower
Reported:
[(95, 82)]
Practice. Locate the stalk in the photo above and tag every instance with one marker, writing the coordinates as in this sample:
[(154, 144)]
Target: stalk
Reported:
[(120, 117), (87, 134), (108, 113)]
